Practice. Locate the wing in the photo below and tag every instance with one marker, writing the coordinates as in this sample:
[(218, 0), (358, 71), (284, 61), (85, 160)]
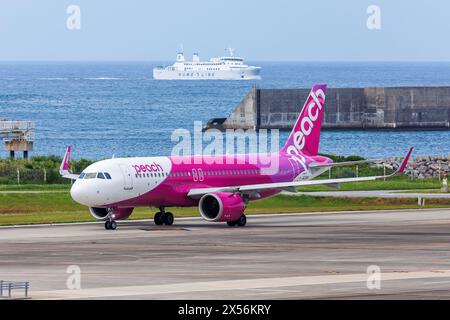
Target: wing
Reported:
[(196, 193), (342, 164), (64, 168)]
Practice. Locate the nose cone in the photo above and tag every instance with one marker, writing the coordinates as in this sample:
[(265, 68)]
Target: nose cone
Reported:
[(79, 194)]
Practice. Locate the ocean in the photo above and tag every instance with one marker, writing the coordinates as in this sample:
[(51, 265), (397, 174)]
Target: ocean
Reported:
[(115, 108)]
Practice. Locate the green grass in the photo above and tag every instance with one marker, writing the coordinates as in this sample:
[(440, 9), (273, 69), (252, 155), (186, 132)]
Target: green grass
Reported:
[(397, 183), (58, 207), (34, 187), (436, 191)]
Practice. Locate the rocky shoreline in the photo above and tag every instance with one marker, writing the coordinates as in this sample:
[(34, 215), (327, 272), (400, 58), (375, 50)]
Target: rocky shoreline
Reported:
[(420, 167)]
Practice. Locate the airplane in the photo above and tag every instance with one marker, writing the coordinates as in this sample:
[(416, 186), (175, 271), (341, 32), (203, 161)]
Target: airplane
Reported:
[(112, 188)]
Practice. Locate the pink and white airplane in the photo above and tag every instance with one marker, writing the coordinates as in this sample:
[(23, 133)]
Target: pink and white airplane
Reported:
[(113, 188)]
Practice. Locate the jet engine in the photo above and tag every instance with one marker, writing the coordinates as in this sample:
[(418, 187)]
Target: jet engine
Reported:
[(221, 207), (114, 213)]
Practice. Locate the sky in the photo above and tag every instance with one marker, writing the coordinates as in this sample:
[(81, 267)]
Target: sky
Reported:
[(259, 30)]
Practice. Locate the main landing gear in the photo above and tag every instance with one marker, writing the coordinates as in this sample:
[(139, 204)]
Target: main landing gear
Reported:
[(240, 223), (163, 217), (110, 225)]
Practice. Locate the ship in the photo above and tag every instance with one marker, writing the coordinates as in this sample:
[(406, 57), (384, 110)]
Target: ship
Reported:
[(228, 67)]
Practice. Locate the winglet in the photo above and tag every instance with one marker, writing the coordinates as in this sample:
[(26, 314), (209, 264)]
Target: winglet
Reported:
[(405, 161), (64, 168)]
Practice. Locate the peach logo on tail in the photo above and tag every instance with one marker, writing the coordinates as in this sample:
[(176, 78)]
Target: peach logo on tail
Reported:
[(307, 122), (310, 115)]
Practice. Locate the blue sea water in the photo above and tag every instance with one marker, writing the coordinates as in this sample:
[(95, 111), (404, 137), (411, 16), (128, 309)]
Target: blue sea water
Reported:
[(116, 108)]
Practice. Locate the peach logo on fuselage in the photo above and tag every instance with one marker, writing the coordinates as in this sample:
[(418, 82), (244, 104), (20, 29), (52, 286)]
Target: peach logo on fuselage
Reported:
[(143, 168)]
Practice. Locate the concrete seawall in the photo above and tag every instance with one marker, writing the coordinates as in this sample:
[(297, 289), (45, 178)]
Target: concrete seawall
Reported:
[(346, 108)]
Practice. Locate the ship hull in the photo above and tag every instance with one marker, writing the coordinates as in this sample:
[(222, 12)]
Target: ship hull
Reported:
[(251, 73)]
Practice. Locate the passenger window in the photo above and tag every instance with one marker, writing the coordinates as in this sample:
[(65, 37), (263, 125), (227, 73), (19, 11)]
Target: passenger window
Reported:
[(108, 176), (100, 176)]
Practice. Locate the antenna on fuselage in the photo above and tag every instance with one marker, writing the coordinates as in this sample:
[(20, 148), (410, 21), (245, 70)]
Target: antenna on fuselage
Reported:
[(113, 156)]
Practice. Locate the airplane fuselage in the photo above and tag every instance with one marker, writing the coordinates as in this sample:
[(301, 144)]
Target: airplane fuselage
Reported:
[(165, 181), (221, 185)]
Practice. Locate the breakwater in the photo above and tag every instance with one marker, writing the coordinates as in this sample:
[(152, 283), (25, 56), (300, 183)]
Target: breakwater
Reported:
[(420, 167), (346, 108)]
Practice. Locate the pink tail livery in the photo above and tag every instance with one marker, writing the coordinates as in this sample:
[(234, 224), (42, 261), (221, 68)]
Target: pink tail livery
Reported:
[(65, 164), (305, 136)]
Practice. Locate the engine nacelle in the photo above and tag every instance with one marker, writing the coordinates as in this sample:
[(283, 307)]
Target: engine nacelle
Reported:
[(114, 213), (221, 207)]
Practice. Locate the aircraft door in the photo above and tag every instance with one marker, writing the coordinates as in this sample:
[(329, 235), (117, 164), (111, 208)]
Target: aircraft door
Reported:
[(127, 177), (201, 176), (194, 175)]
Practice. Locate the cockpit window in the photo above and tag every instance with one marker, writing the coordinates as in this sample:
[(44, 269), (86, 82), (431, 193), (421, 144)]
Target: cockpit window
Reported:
[(94, 175), (91, 175)]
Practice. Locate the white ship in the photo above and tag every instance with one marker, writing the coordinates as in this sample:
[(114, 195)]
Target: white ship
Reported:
[(220, 68)]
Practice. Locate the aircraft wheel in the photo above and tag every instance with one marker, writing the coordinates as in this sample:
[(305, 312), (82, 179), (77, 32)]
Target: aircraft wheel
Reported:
[(242, 221), (231, 223), (159, 219), (168, 218), (108, 225), (113, 225)]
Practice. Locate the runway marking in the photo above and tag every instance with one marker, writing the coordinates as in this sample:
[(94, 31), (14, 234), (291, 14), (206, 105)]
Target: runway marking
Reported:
[(260, 291), (436, 282), (206, 286)]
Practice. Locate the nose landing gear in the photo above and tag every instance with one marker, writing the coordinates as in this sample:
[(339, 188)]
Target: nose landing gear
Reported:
[(163, 217), (110, 224)]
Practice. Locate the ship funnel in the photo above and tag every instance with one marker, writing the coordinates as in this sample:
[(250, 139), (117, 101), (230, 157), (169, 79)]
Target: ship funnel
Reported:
[(195, 57), (180, 57)]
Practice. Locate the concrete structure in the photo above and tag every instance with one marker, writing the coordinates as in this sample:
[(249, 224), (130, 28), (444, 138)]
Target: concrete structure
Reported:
[(18, 136), (346, 108), (311, 255)]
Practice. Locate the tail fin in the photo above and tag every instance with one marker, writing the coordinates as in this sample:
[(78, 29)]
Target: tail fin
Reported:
[(305, 135)]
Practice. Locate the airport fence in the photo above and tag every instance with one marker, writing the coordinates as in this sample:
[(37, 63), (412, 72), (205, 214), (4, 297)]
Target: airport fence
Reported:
[(30, 176)]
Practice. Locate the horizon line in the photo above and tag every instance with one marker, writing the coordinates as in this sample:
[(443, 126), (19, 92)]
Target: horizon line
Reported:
[(253, 61)]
